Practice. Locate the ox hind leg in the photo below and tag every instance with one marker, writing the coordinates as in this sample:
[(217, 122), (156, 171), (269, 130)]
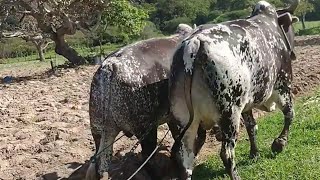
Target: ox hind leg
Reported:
[(148, 144), (251, 127), (92, 170), (176, 130), (149, 141), (229, 123), (184, 150), (200, 140), (285, 103), (104, 149)]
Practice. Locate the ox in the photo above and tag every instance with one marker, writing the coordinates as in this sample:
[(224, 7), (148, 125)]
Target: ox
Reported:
[(223, 71), (129, 93)]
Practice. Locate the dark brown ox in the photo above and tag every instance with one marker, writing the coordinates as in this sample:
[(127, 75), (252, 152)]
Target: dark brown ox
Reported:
[(223, 71), (129, 93)]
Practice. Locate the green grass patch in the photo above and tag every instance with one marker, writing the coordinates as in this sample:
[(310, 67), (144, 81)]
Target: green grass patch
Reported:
[(309, 24), (300, 159), (312, 28), (31, 63), (310, 31), (104, 49)]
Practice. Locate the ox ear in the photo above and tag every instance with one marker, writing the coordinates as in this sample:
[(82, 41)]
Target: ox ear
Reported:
[(184, 29), (194, 26)]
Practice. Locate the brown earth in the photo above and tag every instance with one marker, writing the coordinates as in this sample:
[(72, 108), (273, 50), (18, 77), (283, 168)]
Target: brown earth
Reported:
[(44, 123)]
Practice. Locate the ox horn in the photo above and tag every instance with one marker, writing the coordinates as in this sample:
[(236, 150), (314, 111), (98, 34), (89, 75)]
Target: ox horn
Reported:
[(293, 6)]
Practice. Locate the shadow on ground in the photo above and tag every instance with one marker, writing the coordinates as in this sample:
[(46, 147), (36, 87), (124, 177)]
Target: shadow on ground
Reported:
[(160, 167), (56, 71), (13, 79)]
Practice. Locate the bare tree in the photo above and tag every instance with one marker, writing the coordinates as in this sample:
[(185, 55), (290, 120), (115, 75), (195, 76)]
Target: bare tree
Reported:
[(56, 19)]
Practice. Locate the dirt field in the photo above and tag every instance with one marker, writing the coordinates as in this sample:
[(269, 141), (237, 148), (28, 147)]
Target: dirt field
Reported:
[(44, 123)]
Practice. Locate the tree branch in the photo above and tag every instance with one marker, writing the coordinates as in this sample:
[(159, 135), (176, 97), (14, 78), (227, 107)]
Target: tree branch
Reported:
[(12, 34)]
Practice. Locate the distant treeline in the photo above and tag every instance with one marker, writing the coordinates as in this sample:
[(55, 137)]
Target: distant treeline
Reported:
[(163, 18)]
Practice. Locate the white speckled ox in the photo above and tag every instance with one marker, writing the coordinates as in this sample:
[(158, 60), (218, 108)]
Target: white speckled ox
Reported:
[(129, 93), (222, 71)]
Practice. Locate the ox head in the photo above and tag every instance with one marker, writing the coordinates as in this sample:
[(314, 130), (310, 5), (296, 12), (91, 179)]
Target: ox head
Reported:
[(184, 29), (284, 17)]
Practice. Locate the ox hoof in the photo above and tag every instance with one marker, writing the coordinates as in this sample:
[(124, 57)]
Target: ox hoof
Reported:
[(234, 176), (254, 155), (278, 145), (91, 173), (219, 137), (185, 175), (105, 176)]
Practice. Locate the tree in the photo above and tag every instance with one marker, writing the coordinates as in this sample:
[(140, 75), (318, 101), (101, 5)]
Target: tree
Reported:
[(315, 15), (121, 16), (28, 30), (171, 9), (58, 18), (304, 7)]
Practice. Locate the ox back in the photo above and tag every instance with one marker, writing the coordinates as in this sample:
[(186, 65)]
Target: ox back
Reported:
[(132, 84), (238, 61)]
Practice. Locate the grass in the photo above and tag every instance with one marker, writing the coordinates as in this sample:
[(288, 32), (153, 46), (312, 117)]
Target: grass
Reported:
[(83, 51), (106, 49), (29, 64), (32, 61), (300, 159), (309, 24)]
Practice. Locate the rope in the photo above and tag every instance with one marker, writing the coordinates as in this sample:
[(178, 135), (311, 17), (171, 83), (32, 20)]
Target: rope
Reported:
[(145, 162), (94, 157)]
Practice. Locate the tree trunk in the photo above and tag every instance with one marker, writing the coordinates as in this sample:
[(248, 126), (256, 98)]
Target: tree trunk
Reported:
[(303, 20), (40, 52), (63, 49)]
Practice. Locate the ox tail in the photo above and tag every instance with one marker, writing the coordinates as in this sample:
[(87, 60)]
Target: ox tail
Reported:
[(191, 50), (100, 95), (99, 110)]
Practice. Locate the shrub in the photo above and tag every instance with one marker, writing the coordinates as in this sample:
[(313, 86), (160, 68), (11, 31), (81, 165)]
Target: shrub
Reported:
[(111, 34), (150, 31), (232, 15), (15, 47), (213, 15), (76, 40), (171, 25)]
